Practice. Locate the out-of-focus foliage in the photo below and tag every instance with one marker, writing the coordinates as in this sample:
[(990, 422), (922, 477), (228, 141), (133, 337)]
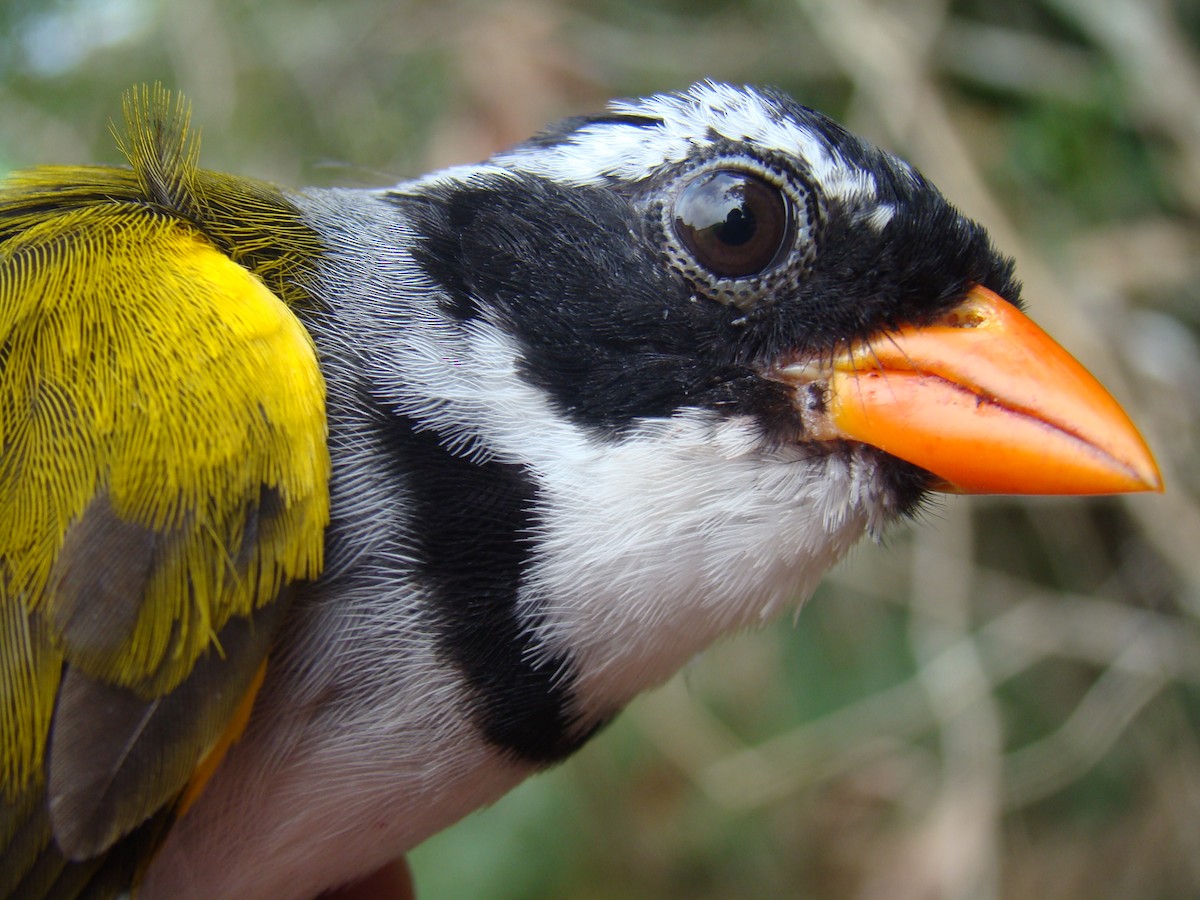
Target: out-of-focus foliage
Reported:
[(1002, 702)]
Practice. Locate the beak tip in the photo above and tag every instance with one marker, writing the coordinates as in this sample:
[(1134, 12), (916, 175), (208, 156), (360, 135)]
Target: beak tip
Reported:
[(1147, 477)]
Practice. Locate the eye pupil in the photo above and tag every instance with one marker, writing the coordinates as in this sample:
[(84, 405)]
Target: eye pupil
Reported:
[(738, 227), (732, 221)]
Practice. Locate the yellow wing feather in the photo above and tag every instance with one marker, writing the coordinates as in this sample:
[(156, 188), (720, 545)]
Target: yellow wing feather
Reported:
[(147, 366), (163, 460)]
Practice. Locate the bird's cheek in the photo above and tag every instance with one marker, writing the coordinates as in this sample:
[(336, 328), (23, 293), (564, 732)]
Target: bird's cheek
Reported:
[(983, 399)]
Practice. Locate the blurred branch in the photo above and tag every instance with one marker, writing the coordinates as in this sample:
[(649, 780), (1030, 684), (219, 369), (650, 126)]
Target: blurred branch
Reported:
[(1139, 646), (1041, 768), (1015, 61), (955, 851)]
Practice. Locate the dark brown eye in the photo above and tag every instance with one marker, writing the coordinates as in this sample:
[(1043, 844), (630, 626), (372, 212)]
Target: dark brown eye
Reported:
[(733, 222)]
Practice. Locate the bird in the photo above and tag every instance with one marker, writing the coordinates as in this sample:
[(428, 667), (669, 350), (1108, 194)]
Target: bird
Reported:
[(327, 516)]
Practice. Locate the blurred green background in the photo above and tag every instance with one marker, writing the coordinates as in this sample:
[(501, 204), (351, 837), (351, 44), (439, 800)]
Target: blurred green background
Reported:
[(1001, 702)]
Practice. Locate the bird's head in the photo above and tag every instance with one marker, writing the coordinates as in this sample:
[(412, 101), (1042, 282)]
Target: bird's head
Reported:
[(730, 251), (722, 337)]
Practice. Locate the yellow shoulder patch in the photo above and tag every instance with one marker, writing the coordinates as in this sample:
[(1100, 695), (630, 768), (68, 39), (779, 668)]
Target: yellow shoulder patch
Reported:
[(145, 367)]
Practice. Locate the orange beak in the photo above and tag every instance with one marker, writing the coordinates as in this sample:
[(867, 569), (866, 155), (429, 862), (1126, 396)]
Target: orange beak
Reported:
[(983, 399)]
